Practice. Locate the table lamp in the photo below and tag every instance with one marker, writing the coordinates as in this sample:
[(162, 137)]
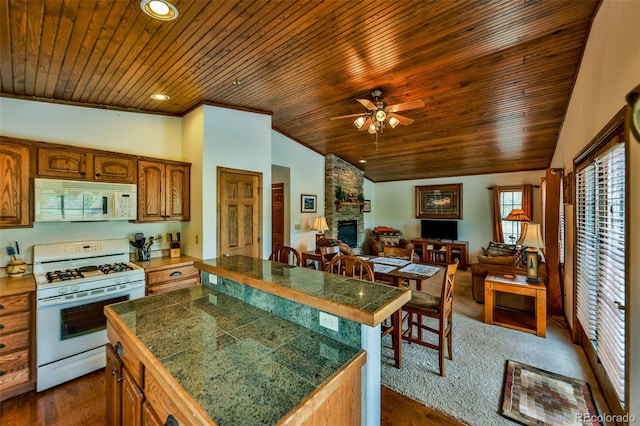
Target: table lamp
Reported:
[(531, 238), (320, 225), (518, 215)]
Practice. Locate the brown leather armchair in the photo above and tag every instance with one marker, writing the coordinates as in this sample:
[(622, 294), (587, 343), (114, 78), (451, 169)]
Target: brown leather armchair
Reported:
[(381, 237)]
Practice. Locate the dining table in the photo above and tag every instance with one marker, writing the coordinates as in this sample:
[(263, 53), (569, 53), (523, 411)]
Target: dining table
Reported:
[(396, 271)]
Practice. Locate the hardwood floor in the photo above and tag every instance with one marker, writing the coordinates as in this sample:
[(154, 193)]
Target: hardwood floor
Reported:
[(81, 402)]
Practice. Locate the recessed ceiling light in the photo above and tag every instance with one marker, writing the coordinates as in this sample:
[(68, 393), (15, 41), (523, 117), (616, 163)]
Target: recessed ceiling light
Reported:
[(362, 161), (159, 9), (236, 82), (160, 97)]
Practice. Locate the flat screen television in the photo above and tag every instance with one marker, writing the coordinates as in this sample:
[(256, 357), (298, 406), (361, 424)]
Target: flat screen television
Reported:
[(439, 229)]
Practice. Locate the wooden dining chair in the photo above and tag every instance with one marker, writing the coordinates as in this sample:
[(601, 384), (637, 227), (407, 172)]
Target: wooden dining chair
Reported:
[(327, 253), (350, 266), (424, 305), (287, 255), (398, 252)]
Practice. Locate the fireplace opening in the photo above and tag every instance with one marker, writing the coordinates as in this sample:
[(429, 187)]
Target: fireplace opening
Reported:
[(348, 232)]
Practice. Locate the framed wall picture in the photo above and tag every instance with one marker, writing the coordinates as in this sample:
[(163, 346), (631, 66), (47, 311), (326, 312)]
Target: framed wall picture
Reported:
[(367, 206), (439, 201), (308, 203)]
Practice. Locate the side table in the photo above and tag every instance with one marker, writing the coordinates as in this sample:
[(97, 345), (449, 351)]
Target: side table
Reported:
[(535, 322), (312, 256)]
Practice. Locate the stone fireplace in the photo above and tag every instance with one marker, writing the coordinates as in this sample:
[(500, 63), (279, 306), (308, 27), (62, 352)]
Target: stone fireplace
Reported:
[(339, 173)]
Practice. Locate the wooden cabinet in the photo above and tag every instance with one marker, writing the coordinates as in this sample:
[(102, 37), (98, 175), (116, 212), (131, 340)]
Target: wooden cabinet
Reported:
[(440, 252), (108, 168), (81, 164), (163, 191), (17, 373), (172, 278), (15, 205)]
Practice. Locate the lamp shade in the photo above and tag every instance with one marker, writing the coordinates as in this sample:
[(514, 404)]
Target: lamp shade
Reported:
[(519, 215), (531, 236), (320, 224)]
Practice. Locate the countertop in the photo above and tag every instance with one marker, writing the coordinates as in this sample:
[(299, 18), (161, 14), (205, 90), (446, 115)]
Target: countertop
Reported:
[(356, 300), (163, 262), (15, 285), (239, 364)]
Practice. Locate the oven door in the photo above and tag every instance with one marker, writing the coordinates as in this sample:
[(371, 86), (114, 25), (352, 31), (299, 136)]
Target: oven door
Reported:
[(74, 326)]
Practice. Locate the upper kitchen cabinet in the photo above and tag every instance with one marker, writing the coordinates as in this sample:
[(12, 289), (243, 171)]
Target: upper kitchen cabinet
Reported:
[(83, 164), (163, 191), (14, 184)]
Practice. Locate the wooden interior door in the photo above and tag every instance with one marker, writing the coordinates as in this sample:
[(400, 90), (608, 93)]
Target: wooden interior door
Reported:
[(277, 216), (240, 213)]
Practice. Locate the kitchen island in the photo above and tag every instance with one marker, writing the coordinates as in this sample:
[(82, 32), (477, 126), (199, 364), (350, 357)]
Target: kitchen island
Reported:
[(246, 347)]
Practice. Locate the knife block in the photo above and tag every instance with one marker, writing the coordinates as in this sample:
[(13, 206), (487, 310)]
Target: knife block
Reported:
[(175, 251)]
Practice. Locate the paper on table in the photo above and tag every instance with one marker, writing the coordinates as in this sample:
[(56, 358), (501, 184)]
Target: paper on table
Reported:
[(418, 269), (379, 267), (390, 261)]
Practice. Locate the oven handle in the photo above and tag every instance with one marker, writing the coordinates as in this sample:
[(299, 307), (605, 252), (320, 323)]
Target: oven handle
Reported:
[(62, 299)]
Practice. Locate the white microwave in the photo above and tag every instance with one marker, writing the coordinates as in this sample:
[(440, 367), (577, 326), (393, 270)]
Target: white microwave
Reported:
[(76, 201)]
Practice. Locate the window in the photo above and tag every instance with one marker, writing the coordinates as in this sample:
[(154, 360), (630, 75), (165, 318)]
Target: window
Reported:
[(510, 198), (600, 258)]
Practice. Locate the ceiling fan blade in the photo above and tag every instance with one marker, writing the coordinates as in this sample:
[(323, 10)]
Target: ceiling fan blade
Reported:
[(405, 106), (403, 120), (367, 104), (347, 116)]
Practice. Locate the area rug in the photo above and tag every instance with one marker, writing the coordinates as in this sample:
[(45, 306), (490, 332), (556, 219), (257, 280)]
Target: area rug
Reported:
[(532, 396)]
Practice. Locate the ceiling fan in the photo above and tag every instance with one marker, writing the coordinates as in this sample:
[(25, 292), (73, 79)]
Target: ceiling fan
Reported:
[(379, 114)]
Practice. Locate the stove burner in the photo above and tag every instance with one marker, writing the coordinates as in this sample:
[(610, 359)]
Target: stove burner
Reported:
[(114, 268), (66, 275), (88, 268)]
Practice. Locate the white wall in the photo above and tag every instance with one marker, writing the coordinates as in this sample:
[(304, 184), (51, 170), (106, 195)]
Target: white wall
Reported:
[(133, 133), (306, 173), (395, 205), (610, 68)]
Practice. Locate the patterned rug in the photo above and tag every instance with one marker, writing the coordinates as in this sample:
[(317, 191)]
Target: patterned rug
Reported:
[(532, 396)]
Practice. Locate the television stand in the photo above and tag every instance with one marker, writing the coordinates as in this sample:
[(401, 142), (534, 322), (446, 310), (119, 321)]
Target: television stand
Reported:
[(442, 252)]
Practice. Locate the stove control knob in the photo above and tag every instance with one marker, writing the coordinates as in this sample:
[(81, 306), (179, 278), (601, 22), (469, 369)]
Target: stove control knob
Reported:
[(118, 280), (75, 287), (62, 290)]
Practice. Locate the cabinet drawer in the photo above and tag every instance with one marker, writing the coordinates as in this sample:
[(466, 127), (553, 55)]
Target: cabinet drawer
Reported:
[(173, 285), (12, 304), (127, 354), (13, 323), (169, 274), (14, 368), (162, 404), (14, 341)]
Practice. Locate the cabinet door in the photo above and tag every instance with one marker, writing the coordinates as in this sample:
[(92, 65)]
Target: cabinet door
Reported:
[(151, 194), (61, 163), (114, 169), (113, 386), (14, 185), (149, 416), (177, 192), (132, 399)]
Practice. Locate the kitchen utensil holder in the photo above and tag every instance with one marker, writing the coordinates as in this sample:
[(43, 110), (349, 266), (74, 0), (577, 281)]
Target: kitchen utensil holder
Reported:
[(175, 252), (142, 254)]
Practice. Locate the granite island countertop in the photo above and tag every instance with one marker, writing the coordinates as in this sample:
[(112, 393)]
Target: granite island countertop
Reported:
[(239, 364), (356, 300)]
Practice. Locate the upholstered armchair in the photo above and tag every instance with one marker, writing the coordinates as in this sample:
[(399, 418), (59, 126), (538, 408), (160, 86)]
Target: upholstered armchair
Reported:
[(384, 236)]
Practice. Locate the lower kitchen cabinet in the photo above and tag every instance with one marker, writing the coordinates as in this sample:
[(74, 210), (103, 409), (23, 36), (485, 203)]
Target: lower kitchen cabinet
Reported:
[(17, 340)]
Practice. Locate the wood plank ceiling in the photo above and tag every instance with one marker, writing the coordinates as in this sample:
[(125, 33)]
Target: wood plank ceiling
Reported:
[(495, 75)]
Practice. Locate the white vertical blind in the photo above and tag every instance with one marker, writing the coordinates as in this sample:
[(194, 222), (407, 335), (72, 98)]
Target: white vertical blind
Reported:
[(600, 259)]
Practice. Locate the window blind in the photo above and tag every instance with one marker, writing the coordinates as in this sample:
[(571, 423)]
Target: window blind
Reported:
[(600, 259)]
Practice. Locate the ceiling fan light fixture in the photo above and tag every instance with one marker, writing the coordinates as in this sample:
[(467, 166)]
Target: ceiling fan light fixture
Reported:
[(393, 122), (359, 122), (380, 115), (161, 10), (372, 128)]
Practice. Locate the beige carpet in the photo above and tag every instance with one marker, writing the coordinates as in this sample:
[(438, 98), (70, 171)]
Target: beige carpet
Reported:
[(471, 390)]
